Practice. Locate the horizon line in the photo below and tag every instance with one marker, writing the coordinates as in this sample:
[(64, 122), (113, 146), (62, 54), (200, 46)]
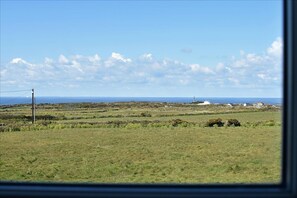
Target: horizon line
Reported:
[(145, 97)]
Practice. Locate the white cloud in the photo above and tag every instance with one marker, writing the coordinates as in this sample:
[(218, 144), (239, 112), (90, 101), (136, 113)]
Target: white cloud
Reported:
[(95, 59), (63, 59), (262, 76), (254, 59), (3, 72), (276, 48), (234, 80), (119, 57), (242, 52), (272, 58), (18, 61), (48, 61), (147, 56), (184, 81), (220, 67), (251, 70), (200, 69), (267, 77), (116, 58), (229, 69), (247, 70), (240, 63), (76, 65)]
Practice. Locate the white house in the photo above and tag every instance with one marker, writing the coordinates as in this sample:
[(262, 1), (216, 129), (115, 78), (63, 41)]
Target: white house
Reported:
[(259, 104), (204, 103)]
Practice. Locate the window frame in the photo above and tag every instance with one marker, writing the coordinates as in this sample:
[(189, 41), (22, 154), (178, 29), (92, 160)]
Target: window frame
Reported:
[(287, 187)]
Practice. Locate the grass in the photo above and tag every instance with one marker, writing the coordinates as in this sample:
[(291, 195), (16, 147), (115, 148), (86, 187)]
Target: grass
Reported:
[(137, 154)]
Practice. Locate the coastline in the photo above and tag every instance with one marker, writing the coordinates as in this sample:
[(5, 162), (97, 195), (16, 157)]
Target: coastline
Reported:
[(185, 100)]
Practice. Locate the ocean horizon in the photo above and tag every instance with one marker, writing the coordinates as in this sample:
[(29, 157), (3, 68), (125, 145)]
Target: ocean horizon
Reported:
[(213, 100)]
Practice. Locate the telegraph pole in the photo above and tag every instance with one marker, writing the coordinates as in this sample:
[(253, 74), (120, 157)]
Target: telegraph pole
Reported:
[(33, 107)]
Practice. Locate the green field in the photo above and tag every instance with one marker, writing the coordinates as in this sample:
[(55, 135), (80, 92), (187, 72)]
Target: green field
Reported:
[(140, 143)]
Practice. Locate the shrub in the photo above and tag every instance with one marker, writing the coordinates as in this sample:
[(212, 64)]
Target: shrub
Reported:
[(2, 129), (233, 122), (269, 123), (177, 122), (218, 122), (16, 128), (45, 117), (116, 123), (44, 122), (145, 114), (156, 124)]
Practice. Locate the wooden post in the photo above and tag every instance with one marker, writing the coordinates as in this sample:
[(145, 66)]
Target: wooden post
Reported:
[(33, 107)]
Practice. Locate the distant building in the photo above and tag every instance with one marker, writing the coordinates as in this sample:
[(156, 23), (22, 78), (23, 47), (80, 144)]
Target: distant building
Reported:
[(196, 101), (204, 103), (259, 104)]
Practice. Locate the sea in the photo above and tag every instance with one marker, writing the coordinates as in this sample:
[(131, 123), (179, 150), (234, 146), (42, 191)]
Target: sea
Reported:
[(213, 100)]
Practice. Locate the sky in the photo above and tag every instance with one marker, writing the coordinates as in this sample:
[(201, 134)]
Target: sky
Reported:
[(142, 48)]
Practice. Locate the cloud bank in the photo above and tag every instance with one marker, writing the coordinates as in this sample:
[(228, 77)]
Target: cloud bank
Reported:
[(249, 71)]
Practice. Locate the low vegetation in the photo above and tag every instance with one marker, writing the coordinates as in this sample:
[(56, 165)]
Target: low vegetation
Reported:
[(215, 122), (233, 122), (140, 143)]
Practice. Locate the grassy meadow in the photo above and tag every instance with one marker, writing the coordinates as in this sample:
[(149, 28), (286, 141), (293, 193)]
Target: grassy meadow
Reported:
[(140, 142)]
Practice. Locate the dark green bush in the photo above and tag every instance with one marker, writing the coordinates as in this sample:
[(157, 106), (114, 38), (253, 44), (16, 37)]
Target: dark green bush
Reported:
[(233, 122), (177, 122), (115, 123), (212, 122), (145, 114)]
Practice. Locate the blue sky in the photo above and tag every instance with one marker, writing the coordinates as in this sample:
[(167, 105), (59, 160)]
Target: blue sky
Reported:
[(142, 48)]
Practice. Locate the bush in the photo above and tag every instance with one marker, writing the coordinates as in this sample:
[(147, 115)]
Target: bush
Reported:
[(212, 122), (115, 123), (177, 122), (233, 122), (145, 114), (44, 122), (269, 123), (15, 128)]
